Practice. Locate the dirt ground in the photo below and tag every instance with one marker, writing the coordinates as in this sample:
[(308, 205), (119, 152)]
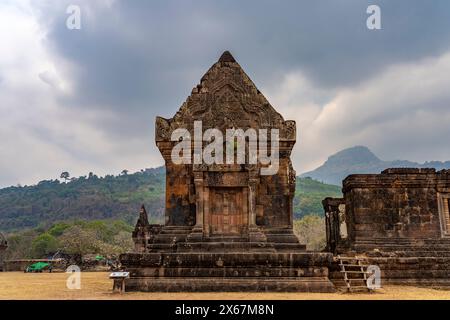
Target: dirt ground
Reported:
[(97, 285)]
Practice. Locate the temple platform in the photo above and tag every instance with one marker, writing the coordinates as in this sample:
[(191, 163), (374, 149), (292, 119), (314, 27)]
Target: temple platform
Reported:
[(237, 271)]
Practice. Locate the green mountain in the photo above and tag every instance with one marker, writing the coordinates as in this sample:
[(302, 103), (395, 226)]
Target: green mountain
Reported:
[(115, 197), (309, 194), (83, 198), (360, 159)]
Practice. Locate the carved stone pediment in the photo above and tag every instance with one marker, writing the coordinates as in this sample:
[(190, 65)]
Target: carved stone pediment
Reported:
[(223, 179), (226, 98)]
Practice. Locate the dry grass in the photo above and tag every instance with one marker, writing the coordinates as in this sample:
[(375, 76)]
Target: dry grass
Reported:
[(96, 285)]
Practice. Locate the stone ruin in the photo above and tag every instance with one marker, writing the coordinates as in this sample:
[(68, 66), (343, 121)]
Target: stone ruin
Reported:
[(399, 220), (227, 227)]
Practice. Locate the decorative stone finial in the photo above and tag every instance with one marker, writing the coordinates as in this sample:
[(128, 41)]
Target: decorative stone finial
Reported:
[(226, 57), (143, 218)]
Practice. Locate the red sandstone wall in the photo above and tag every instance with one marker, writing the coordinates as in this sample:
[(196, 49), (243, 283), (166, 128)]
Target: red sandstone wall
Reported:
[(393, 213), (395, 204)]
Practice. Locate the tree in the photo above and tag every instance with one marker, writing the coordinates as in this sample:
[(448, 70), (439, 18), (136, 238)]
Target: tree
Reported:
[(124, 172), (123, 241), (44, 244), (76, 240), (311, 230), (58, 229), (20, 245), (65, 175)]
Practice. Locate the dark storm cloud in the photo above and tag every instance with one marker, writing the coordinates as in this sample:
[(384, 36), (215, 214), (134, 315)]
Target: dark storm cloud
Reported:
[(141, 58), (154, 51)]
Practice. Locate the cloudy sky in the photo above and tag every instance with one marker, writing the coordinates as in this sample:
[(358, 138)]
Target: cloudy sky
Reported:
[(85, 100)]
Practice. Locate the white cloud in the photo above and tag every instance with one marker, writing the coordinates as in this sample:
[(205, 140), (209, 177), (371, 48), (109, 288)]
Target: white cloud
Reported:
[(403, 113), (39, 136)]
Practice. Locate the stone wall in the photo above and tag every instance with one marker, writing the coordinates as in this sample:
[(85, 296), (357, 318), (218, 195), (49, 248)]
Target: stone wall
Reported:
[(21, 265), (398, 204), (398, 220)]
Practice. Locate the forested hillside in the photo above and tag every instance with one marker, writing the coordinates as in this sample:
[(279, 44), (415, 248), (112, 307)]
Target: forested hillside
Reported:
[(309, 194), (83, 198)]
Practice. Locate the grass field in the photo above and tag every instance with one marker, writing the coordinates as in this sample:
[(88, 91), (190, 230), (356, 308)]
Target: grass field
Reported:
[(96, 285)]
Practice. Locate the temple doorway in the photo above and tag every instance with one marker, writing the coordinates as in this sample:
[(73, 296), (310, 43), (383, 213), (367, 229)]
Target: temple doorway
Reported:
[(229, 210)]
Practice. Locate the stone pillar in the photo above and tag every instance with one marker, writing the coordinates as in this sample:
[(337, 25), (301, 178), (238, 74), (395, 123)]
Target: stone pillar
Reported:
[(252, 202), (197, 230), (198, 182), (332, 222), (254, 233)]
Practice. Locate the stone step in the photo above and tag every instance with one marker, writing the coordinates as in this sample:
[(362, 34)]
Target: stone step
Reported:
[(174, 228), (209, 246), (411, 254), (175, 232), (411, 244), (354, 265), (350, 276), (418, 274), (161, 247), (250, 284), (293, 247), (219, 271), (245, 258), (225, 238), (407, 245), (169, 238), (225, 246), (427, 282), (269, 231), (285, 238)]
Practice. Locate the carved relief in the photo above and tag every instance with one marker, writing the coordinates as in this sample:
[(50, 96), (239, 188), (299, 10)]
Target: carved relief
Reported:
[(162, 129), (227, 179), (227, 98)]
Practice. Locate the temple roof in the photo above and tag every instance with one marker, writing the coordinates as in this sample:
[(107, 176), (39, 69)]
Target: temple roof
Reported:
[(225, 98), (226, 57)]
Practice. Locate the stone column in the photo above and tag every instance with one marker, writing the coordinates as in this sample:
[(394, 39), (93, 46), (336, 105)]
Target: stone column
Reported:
[(197, 230), (254, 233), (198, 182), (252, 203)]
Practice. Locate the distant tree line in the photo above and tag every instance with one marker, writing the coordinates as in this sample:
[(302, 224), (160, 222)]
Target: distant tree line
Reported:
[(108, 238), (84, 198)]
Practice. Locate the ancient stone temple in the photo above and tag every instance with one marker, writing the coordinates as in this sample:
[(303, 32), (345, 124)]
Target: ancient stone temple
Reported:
[(228, 227), (399, 220)]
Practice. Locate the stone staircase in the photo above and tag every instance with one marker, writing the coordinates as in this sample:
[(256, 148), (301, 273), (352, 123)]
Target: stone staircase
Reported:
[(283, 239), (169, 238), (177, 239), (350, 273)]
